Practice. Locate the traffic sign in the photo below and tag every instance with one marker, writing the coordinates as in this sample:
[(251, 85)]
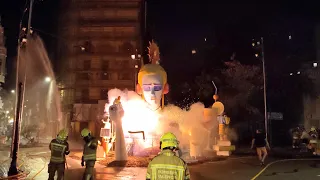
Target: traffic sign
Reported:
[(275, 116)]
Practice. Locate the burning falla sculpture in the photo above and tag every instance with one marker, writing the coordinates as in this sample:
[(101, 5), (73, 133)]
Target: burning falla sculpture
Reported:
[(152, 86)]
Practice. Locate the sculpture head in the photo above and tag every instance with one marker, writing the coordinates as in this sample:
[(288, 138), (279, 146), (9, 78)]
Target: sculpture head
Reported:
[(152, 85), (152, 80)]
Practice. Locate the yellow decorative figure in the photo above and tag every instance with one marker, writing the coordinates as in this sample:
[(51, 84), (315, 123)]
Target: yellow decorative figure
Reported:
[(152, 80)]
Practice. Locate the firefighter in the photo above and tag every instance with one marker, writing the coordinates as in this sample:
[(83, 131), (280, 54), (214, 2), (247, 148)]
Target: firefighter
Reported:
[(59, 148), (313, 138), (167, 165), (89, 153), (296, 134)]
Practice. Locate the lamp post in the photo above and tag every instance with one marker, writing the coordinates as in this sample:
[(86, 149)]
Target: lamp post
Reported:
[(136, 58), (20, 89), (260, 45)]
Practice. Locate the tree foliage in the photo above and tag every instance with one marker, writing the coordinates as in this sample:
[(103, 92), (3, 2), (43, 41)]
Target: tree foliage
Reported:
[(243, 85)]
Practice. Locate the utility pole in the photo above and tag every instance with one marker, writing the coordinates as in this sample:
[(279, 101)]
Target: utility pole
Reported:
[(20, 89), (259, 45), (13, 170), (264, 89)]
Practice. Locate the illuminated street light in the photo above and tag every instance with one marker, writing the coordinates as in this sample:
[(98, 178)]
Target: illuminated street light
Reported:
[(13, 91), (136, 66), (193, 51), (253, 44), (139, 55), (7, 112), (257, 55), (47, 79), (291, 74), (133, 57), (298, 72), (315, 64)]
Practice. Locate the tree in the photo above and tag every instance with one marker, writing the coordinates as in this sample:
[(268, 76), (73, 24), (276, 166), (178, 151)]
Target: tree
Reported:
[(242, 90), (239, 87)]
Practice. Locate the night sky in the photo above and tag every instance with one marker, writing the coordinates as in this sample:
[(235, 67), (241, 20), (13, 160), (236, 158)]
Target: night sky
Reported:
[(179, 27)]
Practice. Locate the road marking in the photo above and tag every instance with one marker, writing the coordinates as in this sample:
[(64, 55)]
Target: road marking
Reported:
[(283, 160)]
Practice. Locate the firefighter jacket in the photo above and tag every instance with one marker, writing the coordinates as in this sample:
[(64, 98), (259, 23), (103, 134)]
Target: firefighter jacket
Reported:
[(90, 150), (59, 149), (167, 165)]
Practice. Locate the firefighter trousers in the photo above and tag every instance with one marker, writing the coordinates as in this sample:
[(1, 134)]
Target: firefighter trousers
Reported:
[(53, 167), (89, 171)]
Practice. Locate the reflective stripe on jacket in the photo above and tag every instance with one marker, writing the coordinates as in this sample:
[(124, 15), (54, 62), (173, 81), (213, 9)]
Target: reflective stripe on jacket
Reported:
[(90, 150), (167, 166), (58, 151)]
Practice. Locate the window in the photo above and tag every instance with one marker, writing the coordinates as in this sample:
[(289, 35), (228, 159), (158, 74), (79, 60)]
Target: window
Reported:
[(82, 76), (105, 76), (122, 64), (85, 93), (86, 64), (125, 76), (105, 64), (315, 64), (127, 48), (104, 94)]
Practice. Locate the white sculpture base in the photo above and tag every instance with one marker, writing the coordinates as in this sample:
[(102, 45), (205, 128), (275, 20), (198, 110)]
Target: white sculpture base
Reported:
[(195, 150), (121, 152), (223, 148)]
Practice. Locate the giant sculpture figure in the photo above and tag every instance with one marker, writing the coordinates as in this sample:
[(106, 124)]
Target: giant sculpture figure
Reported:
[(223, 146), (152, 86)]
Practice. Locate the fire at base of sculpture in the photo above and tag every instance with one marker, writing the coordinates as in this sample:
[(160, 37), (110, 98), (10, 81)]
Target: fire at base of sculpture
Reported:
[(195, 150)]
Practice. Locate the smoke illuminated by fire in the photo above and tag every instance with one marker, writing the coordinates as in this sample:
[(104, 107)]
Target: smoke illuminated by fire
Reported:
[(188, 126)]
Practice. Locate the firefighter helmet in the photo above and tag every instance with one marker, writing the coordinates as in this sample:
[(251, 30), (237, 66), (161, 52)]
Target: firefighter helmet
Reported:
[(85, 132), (63, 134), (168, 140)]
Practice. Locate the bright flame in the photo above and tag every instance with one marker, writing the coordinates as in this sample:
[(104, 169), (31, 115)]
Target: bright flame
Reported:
[(137, 116)]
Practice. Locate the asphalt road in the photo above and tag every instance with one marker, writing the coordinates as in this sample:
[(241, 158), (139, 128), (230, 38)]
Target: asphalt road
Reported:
[(244, 168), (247, 168)]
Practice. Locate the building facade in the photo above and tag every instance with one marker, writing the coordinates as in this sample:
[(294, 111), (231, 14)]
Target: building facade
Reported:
[(3, 55), (98, 38), (311, 105)]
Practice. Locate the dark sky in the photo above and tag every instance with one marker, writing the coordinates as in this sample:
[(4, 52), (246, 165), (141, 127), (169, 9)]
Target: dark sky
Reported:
[(179, 27)]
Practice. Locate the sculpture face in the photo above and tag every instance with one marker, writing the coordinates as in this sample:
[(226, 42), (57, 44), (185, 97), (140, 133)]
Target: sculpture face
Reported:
[(152, 90)]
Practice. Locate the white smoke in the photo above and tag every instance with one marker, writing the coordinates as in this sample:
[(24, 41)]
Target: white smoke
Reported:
[(189, 126)]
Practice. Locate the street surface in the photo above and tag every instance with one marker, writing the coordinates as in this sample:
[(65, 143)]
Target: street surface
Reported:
[(248, 167), (35, 161), (244, 168)]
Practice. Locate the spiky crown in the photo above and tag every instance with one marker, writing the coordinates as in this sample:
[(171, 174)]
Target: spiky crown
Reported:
[(154, 54)]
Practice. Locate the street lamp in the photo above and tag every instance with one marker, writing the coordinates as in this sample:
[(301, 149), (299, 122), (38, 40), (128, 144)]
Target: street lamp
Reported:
[(260, 46), (135, 57), (13, 91), (47, 79)]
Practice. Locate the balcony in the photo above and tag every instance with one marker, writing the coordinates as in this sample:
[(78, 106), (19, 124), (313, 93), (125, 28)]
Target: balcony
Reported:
[(109, 23), (107, 4), (109, 13), (110, 33), (104, 83)]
